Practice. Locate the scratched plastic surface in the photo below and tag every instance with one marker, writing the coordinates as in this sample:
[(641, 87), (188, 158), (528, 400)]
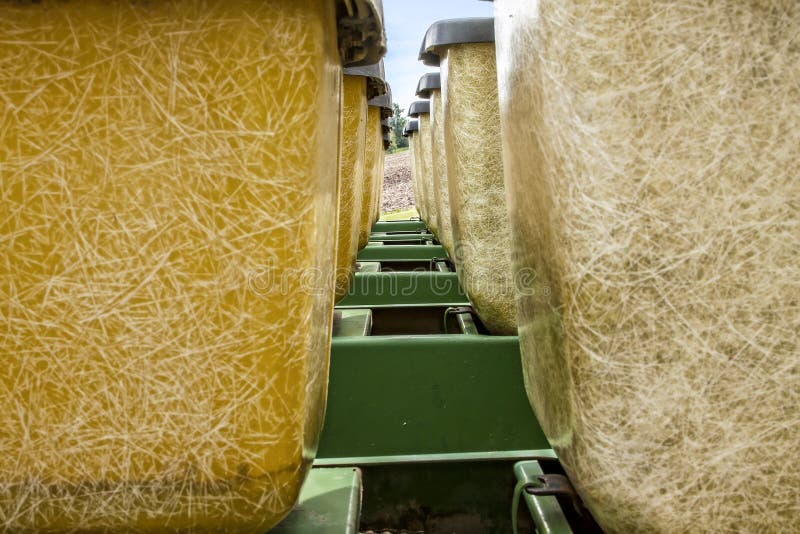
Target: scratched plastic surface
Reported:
[(164, 173), (373, 173), (651, 155), (441, 198), (476, 189), (378, 199), (416, 175), (351, 178), (424, 143)]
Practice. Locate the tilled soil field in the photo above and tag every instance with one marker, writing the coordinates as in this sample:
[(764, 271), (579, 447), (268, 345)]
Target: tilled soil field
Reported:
[(397, 191)]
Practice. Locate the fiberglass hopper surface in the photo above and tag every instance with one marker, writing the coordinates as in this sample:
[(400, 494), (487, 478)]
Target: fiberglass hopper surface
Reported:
[(476, 190), (651, 153), (424, 139), (439, 157), (351, 178), (416, 174), (373, 169), (165, 171)]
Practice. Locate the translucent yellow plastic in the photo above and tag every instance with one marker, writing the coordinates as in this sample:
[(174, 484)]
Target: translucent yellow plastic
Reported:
[(380, 164), (165, 178), (379, 191), (373, 173), (416, 174), (441, 197), (651, 154), (476, 190), (425, 142), (351, 178)]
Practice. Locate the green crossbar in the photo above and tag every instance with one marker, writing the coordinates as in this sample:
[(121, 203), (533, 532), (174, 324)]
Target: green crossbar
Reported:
[(403, 289), (433, 394), (375, 251), (411, 225)]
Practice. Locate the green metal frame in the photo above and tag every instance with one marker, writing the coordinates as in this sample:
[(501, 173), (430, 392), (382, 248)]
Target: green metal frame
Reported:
[(408, 225), (403, 289), (455, 458), (378, 252), (400, 395), (441, 492), (411, 236), (439, 424)]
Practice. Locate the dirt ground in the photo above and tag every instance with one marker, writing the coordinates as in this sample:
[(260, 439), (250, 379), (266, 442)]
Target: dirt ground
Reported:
[(397, 191)]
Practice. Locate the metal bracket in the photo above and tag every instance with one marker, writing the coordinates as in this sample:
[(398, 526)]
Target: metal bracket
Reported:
[(447, 261), (464, 315), (557, 485), (551, 485)]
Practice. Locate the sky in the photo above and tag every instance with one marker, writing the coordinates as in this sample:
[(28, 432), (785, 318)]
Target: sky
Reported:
[(406, 22)]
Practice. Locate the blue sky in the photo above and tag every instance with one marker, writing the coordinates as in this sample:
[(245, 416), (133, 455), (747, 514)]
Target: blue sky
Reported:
[(406, 22)]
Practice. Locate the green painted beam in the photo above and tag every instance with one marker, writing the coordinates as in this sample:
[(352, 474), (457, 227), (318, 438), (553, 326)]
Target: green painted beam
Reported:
[(458, 457), (411, 225), (401, 237), (403, 289), (464, 492), (378, 252), (330, 503), (435, 394)]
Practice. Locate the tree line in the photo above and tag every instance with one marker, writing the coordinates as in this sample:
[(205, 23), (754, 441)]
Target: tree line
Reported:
[(397, 122)]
